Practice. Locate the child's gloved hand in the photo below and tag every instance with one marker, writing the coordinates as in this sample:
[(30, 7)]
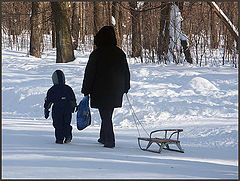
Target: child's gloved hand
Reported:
[(46, 113)]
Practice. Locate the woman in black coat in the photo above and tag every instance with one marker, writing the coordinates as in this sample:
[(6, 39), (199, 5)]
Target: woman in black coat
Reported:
[(106, 79)]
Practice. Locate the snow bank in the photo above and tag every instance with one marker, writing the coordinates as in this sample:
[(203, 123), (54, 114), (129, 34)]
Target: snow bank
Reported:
[(202, 85), (202, 101)]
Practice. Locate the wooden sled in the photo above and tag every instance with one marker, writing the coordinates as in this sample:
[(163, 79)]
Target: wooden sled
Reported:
[(164, 142)]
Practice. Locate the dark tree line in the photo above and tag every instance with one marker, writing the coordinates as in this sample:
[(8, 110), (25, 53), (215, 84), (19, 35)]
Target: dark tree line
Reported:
[(142, 29)]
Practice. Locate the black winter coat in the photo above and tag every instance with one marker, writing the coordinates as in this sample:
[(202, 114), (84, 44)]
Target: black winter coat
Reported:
[(106, 77)]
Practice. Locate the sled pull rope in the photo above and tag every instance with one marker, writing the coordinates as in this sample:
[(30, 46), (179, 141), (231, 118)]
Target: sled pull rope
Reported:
[(135, 118), (133, 113)]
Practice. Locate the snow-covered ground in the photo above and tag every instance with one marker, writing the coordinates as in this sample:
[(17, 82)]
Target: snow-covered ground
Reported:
[(203, 101)]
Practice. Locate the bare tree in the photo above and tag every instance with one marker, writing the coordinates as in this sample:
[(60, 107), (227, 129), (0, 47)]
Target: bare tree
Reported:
[(149, 31), (53, 31), (118, 16), (60, 12), (184, 44), (108, 12), (136, 30), (98, 16), (213, 30), (75, 24), (36, 29), (163, 39), (82, 21)]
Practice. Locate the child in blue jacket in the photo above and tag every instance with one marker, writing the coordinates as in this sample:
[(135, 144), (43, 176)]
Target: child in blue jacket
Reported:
[(64, 103)]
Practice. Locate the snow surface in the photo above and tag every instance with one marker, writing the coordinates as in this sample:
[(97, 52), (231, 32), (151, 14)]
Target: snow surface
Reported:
[(113, 21), (203, 101)]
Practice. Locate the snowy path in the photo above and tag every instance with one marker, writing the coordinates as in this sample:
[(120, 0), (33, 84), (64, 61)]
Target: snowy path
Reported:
[(201, 101), (29, 151)]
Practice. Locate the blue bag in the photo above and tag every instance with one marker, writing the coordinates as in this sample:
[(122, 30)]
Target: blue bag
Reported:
[(83, 114)]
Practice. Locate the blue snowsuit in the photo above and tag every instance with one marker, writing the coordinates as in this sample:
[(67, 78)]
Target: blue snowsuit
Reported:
[(64, 102)]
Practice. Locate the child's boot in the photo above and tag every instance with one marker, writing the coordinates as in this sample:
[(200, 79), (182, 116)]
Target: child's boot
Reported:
[(68, 140), (59, 141)]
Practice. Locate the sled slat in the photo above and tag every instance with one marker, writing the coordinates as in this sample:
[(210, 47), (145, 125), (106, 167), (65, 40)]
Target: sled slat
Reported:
[(159, 140)]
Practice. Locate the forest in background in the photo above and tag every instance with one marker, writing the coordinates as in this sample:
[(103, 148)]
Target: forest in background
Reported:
[(142, 29)]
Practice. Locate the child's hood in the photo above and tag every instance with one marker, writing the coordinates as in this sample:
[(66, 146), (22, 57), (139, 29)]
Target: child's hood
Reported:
[(58, 77)]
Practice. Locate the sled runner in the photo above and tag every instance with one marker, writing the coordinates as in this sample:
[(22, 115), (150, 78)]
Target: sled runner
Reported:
[(162, 142)]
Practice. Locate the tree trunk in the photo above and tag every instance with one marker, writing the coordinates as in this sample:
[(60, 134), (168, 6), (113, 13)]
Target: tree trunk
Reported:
[(98, 16), (108, 14), (136, 31), (75, 24), (53, 31), (117, 14), (63, 34), (82, 22), (213, 30), (186, 51), (163, 39), (184, 44), (36, 29)]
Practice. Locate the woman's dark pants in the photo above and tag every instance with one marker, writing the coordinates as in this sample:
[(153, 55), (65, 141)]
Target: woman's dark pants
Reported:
[(106, 131)]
